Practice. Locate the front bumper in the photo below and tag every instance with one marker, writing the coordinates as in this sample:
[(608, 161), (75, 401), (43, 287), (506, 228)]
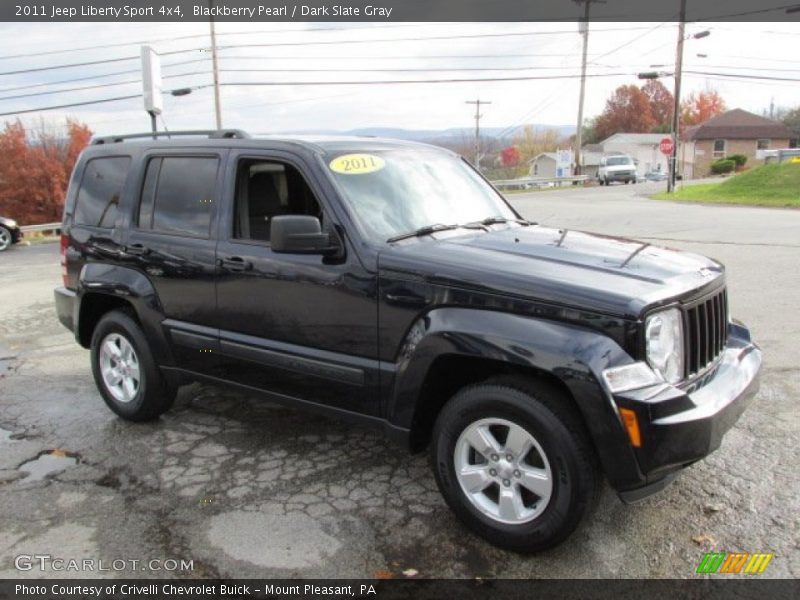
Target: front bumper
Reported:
[(621, 176), (681, 425)]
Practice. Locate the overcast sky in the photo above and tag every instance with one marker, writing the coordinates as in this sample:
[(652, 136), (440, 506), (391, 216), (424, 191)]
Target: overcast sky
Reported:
[(545, 49)]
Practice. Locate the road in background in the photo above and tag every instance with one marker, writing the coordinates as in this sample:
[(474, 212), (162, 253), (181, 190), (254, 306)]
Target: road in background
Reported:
[(248, 489)]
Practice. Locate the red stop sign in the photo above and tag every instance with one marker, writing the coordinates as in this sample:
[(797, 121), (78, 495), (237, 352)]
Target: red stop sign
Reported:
[(666, 146)]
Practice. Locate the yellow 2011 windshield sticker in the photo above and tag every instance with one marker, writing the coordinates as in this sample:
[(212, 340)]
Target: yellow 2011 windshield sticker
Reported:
[(357, 164)]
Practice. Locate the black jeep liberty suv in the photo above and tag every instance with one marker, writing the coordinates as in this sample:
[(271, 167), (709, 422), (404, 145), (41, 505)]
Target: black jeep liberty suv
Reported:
[(389, 283)]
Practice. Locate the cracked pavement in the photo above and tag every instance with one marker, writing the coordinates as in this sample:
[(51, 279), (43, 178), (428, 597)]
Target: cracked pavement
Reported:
[(245, 488)]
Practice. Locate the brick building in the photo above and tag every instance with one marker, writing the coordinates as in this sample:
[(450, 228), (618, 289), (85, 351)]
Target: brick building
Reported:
[(734, 132)]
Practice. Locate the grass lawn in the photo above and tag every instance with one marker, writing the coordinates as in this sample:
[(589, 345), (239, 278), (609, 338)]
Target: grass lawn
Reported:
[(767, 185)]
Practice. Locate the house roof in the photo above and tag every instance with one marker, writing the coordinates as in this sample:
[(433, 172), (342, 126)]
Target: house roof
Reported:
[(738, 124), (650, 139), (551, 155)]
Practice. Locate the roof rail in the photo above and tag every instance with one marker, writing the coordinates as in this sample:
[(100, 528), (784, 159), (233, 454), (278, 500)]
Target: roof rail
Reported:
[(214, 134)]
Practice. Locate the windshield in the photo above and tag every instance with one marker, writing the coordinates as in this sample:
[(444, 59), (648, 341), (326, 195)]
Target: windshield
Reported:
[(619, 160), (395, 192)]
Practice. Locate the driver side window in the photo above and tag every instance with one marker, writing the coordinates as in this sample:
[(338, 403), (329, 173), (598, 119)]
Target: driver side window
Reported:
[(266, 189)]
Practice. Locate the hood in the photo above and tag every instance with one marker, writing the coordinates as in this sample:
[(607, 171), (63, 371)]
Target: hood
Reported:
[(571, 268)]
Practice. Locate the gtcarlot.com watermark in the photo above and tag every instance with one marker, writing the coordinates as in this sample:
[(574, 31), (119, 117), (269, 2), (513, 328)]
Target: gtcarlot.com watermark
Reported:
[(48, 562)]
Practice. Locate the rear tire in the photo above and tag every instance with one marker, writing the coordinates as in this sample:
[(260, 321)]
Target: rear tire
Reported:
[(124, 369), (526, 501)]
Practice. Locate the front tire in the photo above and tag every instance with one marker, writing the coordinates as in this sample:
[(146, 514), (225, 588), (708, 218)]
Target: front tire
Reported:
[(5, 239), (514, 463), (124, 369)]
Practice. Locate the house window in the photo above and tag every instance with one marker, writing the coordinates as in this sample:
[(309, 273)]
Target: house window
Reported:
[(719, 148), (535, 168), (762, 145)]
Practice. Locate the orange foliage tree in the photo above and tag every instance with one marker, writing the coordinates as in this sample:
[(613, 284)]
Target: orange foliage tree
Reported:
[(628, 110), (700, 107), (35, 169)]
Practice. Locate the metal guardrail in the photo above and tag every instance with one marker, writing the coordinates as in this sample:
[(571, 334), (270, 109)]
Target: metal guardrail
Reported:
[(43, 227), (531, 183), (778, 155)]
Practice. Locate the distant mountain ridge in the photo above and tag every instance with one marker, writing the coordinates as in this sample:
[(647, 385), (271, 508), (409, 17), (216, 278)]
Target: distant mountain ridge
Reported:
[(452, 134)]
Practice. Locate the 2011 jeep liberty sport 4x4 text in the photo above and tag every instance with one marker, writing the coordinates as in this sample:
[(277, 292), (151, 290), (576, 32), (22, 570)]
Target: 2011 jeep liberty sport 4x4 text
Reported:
[(388, 282)]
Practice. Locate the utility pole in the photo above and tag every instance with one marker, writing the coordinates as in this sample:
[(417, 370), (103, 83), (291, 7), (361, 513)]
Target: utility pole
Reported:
[(676, 109), (583, 28), (215, 68), (478, 116)]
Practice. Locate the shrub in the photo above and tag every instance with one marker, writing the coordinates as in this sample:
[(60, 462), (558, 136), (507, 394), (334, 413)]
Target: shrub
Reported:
[(739, 159), (722, 166)]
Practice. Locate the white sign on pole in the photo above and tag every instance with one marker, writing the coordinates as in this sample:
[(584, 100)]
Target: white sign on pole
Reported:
[(151, 81), (563, 163)]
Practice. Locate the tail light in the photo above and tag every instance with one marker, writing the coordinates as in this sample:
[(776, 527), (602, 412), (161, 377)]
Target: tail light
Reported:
[(64, 245)]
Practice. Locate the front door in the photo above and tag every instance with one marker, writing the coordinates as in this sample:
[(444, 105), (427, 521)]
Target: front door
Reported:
[(299, 325)]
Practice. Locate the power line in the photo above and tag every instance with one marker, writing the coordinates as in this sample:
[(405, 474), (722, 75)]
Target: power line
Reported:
[(744, 76), (95, 87), (307, 43), (398, 70), (93, 62), (420, 39), (195, 36), (321, 83), (71, 105), (400, 81), (101, 76)]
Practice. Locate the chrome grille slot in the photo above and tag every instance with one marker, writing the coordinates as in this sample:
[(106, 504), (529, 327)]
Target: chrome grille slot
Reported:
[(706, 327)]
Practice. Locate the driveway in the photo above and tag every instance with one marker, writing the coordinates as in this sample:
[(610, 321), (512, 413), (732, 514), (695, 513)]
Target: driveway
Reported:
[(246, 489)]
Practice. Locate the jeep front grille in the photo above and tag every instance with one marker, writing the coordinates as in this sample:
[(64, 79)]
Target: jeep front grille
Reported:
[(706, 326)]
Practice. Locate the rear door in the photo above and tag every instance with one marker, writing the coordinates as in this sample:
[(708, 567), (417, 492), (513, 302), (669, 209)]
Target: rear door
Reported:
[(173, 241)]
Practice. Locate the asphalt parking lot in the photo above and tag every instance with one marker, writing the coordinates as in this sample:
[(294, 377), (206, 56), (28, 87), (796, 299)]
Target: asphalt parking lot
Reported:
[(246, 489)]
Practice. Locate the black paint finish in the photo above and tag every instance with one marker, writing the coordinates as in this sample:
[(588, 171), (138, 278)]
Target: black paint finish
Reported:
[(358, 334)]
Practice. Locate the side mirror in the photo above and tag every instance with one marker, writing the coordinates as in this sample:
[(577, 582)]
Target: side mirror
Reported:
[(299, 234)]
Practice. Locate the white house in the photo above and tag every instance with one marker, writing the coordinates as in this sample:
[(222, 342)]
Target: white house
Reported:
[(642, 147), (546, 164)]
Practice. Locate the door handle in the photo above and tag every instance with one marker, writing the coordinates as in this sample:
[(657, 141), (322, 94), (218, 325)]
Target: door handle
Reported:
[(137, 250), (235, 263)]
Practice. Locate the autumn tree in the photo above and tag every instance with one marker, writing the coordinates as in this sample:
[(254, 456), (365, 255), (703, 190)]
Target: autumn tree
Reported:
[(661, 104), (628, 110), (36, 167), (532, 141), (699, 107), (510, 156)]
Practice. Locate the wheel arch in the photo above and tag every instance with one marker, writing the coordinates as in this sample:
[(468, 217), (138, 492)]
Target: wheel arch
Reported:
[(102, 288), (452, 347)]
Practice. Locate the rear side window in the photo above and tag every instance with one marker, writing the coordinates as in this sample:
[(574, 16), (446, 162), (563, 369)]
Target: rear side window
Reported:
[(178, 195), (101, 190)]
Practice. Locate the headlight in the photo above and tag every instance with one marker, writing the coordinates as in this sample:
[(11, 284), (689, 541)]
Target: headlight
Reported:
[(11, 223), (664, 338)]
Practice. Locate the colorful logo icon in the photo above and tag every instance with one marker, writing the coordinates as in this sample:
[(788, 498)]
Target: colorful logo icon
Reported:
[(734, 562)]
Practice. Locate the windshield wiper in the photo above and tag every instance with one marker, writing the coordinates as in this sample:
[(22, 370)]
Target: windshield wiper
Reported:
[(427, 230), (497, 221)]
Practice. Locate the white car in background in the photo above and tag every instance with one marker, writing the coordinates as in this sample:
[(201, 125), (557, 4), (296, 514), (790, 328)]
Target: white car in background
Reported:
[(616, 167)]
